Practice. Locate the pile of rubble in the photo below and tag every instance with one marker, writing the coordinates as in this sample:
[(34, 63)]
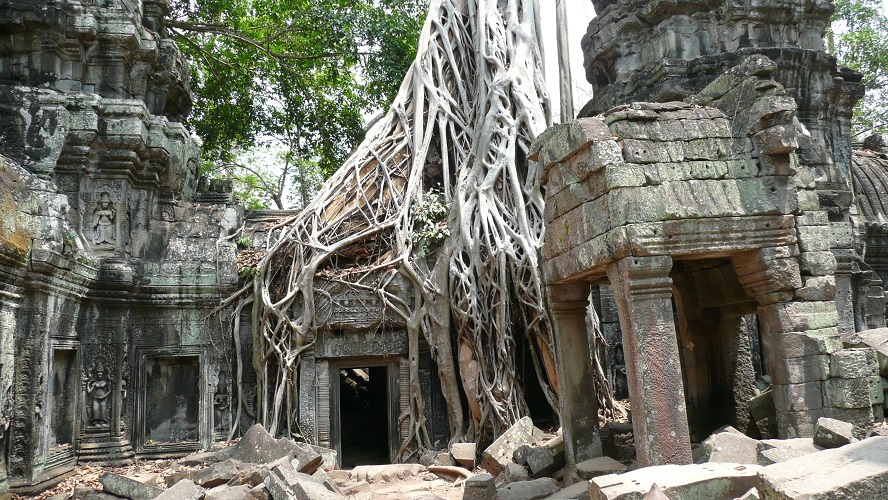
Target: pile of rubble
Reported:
[(524, 465)]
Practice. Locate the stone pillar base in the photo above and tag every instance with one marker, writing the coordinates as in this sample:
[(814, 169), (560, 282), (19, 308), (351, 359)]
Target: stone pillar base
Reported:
[(106, 451)]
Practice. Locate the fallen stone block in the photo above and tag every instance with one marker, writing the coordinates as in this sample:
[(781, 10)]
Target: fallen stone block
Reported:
[(128, 488), (183, 490), (527, 490), (576, 491), (310, 490), (772, 451), (695, 481), (179, 475), (479, 487), (519, 456), (832, 433), (228, 493), (277, 488), (259, 492), (305, 458), (250, 477), (540, 462), (377, 473), (464, 454), (499, 453), (857, 470), (512, 474), (328, 457), (321, 477), (599, 466), (217, 474), (257, 446), (445, 459), (199, 458), (730, 446)]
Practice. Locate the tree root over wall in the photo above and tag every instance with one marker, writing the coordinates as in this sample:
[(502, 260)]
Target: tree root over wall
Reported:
[(461, 125)]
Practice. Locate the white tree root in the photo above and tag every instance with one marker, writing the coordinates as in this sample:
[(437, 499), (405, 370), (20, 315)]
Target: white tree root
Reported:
[(462, 123)]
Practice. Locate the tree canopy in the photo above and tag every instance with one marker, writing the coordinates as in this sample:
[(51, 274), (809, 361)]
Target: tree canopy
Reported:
[(300, 73), (859, 38)]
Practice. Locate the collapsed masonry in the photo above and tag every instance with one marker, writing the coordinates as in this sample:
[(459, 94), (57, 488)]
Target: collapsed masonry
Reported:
[(711, 187)]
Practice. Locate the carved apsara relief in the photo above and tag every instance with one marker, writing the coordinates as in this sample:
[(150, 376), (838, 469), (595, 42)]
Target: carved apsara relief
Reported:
[(99, 384)]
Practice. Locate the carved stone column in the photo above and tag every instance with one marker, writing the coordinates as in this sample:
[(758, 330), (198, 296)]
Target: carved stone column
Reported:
[(576, 381), (642, 288)]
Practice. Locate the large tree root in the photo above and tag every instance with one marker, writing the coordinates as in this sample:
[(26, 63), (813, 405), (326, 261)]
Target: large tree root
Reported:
[(461, 124)]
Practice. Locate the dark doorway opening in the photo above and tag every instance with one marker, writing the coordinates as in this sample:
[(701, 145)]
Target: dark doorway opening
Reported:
[(63, 403), (715, 324), (172, 399), (364, 419), (540, 410)]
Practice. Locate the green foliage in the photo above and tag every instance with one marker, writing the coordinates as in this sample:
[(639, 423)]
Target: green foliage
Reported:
[(859, 38), (244, 242), (302, 73), (429, 223), (248, 272)]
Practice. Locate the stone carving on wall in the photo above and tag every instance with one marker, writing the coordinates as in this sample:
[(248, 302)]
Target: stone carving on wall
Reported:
[(98, 391), (221, 403), (104, 221)]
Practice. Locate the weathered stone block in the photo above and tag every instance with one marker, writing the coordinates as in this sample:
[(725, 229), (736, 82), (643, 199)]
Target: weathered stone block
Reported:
[(808, 201), (849, 363), (378, 473), (479, 487), (697, 481), (799, 397), (527, 490), (310, 490), (799, 344), (832, 433), (730, 446), (772, 451), (858, 470), (499, 453), (814, 238), (540, 462), (183, 490), (228, 493), (513, 473), (464, 454), (128, 488), (777, 140), (599, 466), (817, 288), (218, 473), (847, 393), (817, 263), (798, 316), (793, 424), (799, 370)]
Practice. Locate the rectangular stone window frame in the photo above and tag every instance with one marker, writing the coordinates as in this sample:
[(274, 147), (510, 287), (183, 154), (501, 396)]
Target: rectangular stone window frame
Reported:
[(63, 455), (205, 410), (393, 395)]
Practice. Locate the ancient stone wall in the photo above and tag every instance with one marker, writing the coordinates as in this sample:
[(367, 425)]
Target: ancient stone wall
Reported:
[(110, 258), (699, 214)]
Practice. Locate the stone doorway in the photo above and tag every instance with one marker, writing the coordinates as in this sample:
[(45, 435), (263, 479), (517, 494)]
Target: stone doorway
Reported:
[(62, 425), (716, 326), (364, 412)]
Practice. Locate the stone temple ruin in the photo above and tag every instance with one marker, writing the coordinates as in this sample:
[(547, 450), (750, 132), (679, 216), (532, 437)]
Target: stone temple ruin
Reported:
[(708, 200)]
